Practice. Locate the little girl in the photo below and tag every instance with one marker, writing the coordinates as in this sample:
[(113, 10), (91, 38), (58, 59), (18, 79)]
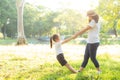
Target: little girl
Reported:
[(59, 52)]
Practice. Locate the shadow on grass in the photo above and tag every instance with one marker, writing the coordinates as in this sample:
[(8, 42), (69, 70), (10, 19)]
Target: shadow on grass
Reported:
[(56, 73), (87, 76), (62, 73)]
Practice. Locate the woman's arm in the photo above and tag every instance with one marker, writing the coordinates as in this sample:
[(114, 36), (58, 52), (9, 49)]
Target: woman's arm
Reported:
[(82, 31), (66, 40), (77, 34)]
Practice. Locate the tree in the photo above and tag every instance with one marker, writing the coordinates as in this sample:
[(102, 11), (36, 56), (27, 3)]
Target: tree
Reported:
[(38, 20), (45, 23), (21, 35), (109, 10), (31, 15), (7, 17), (69, 21)]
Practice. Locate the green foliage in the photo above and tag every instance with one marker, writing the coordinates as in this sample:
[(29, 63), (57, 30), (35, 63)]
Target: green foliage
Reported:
[(38, 20), (1, 35), (109, 10), (8, 17), (69, 21), (41, 21)]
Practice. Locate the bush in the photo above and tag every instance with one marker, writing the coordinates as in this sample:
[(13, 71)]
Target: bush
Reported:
[(1, 35)]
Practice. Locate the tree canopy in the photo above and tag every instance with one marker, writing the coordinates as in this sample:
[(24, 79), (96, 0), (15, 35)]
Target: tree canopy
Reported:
[(109, 10), (42, 21)]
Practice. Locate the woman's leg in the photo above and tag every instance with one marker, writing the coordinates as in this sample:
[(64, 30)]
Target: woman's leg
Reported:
[(86, 58), (70, 68), (93, 51)]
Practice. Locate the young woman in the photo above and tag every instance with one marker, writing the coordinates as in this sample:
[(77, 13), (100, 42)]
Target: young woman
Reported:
[(93, 29), (59, 52)]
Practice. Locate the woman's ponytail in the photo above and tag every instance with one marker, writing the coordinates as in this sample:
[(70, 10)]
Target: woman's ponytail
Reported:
[(51, 42)]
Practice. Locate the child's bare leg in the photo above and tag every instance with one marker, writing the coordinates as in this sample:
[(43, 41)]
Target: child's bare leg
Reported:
[(70, 68)]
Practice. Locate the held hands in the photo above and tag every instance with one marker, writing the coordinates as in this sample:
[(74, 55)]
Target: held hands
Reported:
[(81, 32), (68, 39), (72, 37), (77, 34)]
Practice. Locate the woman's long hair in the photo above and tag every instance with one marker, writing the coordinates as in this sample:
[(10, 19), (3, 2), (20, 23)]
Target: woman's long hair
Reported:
[(96, 18), (51, 42)]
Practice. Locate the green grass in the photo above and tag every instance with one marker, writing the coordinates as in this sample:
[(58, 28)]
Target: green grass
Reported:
[(45, 67), (105, 41), (9, 41)]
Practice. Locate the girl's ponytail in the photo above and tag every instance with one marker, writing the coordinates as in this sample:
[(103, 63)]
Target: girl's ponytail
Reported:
[(51, 42), (55, 36)]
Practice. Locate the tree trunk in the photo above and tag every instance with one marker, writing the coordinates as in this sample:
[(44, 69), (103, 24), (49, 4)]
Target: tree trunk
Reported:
[(4, 31), (115, 32), (114, 28), (21, 36)]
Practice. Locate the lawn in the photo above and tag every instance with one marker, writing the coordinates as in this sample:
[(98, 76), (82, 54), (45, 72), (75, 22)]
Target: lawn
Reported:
[(38, 62)]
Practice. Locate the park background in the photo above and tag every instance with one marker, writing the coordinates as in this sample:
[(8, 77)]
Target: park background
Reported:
[(41, 19)]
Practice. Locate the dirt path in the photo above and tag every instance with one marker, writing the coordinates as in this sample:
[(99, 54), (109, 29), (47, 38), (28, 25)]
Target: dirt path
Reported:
[(79, 49), (109, 49)]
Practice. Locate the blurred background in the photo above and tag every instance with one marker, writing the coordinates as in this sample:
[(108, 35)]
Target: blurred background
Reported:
[(42, 18)]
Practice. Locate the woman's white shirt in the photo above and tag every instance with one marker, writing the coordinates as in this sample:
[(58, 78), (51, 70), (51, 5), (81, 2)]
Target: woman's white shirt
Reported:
[(93, 34)]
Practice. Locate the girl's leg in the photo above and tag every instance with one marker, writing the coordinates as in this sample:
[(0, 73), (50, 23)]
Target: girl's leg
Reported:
[(93, 51), (86, 58), (70, 68), (63, 62)]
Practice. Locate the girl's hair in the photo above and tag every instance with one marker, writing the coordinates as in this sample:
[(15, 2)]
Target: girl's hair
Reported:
[(95, 17), (53, 38)]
